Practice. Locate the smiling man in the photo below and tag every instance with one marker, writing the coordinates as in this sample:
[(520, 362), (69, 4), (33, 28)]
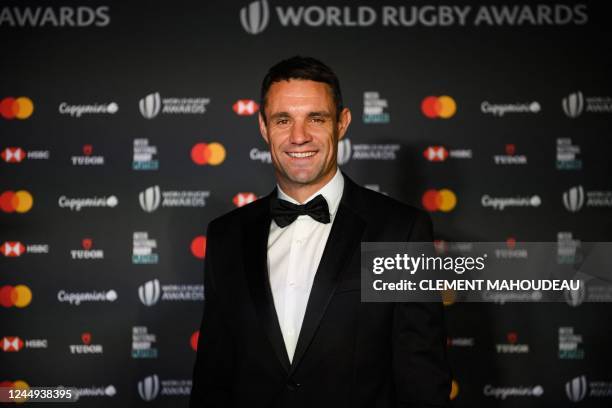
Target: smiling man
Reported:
[(283, 323)]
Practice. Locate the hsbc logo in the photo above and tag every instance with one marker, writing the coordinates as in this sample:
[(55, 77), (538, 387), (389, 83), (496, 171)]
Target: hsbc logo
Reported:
[(242, 199), (12, 249), (12, 344), (13, 154), (17, 154), (440, 153), (255, 17), (245, 107), (436, 153)]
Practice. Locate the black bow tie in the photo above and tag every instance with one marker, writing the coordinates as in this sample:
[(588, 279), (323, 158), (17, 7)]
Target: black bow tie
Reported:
[(284, 212)]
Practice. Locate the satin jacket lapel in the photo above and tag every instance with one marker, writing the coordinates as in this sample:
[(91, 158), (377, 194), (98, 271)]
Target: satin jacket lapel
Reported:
[(256, 253), (344, 238)]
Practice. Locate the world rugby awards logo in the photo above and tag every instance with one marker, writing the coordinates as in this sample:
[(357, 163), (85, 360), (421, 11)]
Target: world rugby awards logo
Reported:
[(573, 104), (149, 388), (573, 199), (344, 151), (150, 199), (150, 105), (149, 293), (255, 17), (576, 388)]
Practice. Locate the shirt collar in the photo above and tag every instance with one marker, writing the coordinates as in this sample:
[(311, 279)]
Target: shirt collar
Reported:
[(332, 192)]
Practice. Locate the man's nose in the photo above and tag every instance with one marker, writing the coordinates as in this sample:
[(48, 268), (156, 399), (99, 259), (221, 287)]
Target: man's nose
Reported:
[(299, 133)]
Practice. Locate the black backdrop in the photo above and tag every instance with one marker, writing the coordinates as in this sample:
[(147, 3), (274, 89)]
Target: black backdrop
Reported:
[(521, 57)]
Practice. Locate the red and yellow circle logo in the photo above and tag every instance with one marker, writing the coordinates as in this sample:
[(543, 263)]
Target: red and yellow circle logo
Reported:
[(439, 200), (443, 107), (16, 108), (208, 153), (198, 247), (18, 296), (16, 201), (13, 385), (454, 390)]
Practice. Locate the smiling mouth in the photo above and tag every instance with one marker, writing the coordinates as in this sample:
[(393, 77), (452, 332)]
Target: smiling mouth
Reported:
[(300, 155)]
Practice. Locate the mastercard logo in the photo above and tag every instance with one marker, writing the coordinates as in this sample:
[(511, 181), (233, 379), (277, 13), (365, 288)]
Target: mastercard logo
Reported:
[(454, 390), (439, 200), (18, 296), (16, 108), (208, 153), (198, 247), (14, 385), (16, 201), (443, 107), (193, 340)]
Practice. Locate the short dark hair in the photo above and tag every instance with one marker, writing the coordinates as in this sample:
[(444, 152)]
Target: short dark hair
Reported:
[(305, 68)]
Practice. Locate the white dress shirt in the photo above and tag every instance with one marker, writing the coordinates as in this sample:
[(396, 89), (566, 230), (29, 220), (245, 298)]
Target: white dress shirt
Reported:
[(294, 253)]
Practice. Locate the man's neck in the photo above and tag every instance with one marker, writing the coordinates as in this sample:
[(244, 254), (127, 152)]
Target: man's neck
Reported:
[(300, 192)]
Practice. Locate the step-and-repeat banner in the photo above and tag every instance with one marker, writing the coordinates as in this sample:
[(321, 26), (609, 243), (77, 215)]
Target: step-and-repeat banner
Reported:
[(125, 127)]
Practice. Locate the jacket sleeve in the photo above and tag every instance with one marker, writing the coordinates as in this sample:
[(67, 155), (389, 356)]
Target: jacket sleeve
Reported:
[(420, 367), (212, 374)]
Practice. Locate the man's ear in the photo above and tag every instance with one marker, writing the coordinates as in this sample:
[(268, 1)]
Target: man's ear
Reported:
[(262, 128), (343, 122)]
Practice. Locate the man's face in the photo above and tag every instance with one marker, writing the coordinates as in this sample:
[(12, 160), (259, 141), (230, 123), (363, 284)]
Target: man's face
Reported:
[(302, 131)]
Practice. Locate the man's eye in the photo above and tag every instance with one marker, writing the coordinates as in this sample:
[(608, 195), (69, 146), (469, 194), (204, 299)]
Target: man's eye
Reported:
[(318, 120), (282, 121)]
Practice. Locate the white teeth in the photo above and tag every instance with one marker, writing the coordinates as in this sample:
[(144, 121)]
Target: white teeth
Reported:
[(301, 155)]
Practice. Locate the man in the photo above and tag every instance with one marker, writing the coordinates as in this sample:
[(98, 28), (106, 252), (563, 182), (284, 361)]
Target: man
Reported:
[(283, 324)]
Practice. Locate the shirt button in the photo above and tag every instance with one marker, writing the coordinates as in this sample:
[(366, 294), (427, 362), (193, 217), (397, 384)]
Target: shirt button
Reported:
[(292, 284), (299, 242)]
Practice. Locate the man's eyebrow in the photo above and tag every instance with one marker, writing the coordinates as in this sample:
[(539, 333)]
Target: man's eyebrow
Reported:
[(278, 115), (324, 114)]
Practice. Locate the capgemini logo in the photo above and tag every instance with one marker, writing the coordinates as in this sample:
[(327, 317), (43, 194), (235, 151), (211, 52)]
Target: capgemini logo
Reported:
[(255, 16), (573, 199), (576, 389), (150, 199), (573, 104), (344, 151), (149, 292), (150, 105), (149, 387)]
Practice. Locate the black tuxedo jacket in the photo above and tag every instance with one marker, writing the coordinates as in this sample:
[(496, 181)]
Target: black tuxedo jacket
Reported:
[(349, 354)]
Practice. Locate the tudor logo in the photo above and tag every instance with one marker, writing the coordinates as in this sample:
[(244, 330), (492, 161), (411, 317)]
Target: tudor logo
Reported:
[(87, 149), (255, 17), (87, 243), (149, 388), (12, 249), (86, 338)]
